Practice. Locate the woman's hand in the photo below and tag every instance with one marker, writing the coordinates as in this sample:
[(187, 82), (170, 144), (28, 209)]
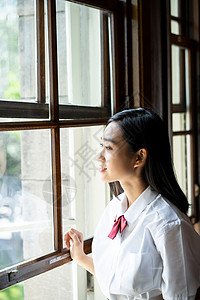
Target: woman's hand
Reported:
[(74, 241)]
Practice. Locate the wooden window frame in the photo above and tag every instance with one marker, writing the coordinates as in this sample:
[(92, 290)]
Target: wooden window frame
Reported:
[(83, 116), (40, 109), (186, 43), (183, 43)]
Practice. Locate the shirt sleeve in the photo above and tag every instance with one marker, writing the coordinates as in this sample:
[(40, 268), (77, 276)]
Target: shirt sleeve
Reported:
[(179, 248)]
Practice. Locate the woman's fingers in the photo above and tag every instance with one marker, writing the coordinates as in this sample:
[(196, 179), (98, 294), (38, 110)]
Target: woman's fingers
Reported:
[(73, 235), (76, 233), (74, 241), (74, 238), (67, 239)]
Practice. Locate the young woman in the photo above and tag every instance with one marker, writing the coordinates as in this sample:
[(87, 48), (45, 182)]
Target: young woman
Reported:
[(144, 246)]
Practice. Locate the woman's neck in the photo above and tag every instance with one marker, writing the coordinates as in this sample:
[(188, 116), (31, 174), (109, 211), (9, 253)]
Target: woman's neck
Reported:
[(133, 189)]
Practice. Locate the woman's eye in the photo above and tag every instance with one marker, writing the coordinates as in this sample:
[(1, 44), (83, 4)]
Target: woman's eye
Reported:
[(108, 148)]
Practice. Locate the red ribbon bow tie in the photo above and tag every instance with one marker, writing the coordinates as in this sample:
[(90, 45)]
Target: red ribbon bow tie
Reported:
[(120, 223)]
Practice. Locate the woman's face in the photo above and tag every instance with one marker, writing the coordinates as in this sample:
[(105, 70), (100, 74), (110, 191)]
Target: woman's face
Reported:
[(116, 160)]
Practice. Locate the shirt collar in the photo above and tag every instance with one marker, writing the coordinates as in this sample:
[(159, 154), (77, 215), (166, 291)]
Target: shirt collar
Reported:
[(132, 213)]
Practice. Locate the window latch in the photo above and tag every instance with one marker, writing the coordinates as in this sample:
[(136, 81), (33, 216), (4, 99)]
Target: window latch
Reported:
[(12, 274)]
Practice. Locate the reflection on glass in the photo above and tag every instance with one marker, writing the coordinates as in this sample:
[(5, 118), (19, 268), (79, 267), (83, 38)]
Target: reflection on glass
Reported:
[(182, 162), (17, 48), (79, 54), (82, 190), (25, 196)]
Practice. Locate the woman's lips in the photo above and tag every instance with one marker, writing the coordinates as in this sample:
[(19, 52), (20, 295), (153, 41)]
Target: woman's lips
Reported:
[(102, 169)]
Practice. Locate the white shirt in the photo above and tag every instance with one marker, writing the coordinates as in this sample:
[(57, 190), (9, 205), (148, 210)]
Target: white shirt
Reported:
[(157, 253)]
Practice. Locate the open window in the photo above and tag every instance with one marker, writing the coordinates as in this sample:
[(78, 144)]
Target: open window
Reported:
[(57, 90)]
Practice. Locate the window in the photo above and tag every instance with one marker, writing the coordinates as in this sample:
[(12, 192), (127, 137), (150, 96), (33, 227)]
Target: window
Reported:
[(57, 89), (175, 16), (183, 106)]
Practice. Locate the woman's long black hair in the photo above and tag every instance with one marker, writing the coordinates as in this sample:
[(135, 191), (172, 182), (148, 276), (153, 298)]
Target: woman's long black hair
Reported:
[(142, 128)]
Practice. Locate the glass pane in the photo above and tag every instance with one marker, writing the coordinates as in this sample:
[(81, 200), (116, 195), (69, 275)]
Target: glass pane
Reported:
[(83, 192), (17, 48), (58, 284), (174, 8), (26, 205), (181, 90), (175, 75), (175, 27), (80, 64), (181, 121), (18, 68), (15, 292), (47, 86), (182, 163), (180, 76), (187, 70)]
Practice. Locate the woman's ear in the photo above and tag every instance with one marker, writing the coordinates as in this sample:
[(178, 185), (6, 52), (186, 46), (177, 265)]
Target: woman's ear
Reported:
[(140, 157)]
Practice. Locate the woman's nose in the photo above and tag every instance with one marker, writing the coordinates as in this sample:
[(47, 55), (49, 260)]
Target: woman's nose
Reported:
[(100, 156)]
